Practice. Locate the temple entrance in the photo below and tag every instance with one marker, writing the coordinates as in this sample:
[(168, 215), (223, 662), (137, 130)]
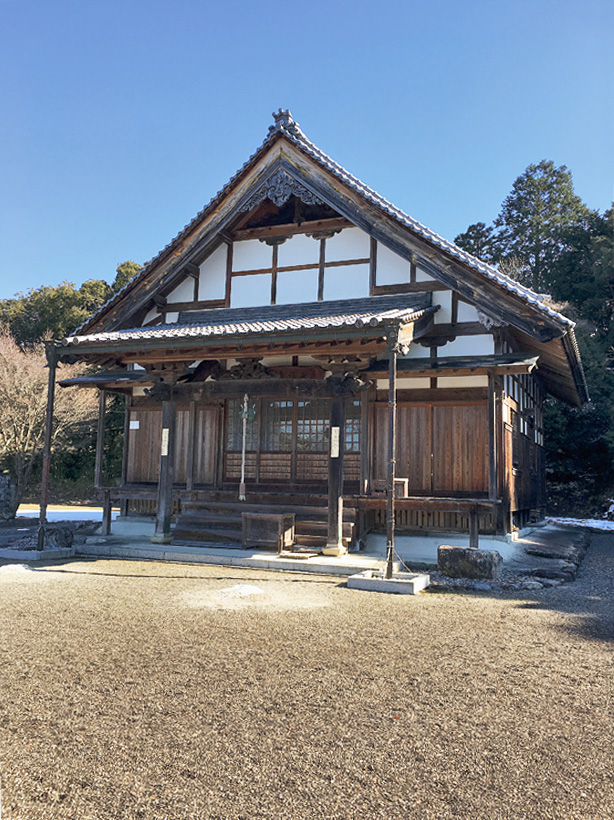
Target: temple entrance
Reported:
[(287, 441)]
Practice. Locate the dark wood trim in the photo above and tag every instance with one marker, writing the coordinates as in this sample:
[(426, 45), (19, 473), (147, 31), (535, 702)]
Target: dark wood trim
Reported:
[(228, 274), (408, 287), (454, 308), (412, 273), (274, 274), (204, 304), (321, 268), (99, 464), (291, 229), (459, 329), (311, 266), (372, 266), (442, 395), (157, 320), (124, 477)]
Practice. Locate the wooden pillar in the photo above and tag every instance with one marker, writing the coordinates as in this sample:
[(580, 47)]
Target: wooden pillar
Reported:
[(98, 469), (189, 479), (123, 504), (162, 534), (392, 456), (492, 439), (334, 545), (364, 443), (44, 498)]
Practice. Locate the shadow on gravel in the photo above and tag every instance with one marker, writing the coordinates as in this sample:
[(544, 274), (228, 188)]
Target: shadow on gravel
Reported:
[(153, 577), (589, 600)]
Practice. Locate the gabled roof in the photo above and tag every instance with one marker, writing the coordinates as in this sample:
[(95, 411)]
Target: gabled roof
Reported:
[(286, 127), (303, 166)]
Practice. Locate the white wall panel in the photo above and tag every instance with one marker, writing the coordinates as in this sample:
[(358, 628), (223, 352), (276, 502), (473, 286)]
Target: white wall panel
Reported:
[(443, 298), (469, 346), (212, 284), (151, 315), (467, 313), (417, 351), (421, 276), (462, 381), (391, 268), (409, 384), (184, 292), (347, 282), (351, 243), (249, 291), (296, 286), (171, 318), (251, 255), (299, 250)]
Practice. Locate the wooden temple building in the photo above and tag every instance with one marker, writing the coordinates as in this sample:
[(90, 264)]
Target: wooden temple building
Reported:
[(305, 347)]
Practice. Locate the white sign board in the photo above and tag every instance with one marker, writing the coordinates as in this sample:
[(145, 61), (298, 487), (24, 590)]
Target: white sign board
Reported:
[(334, 442), (134, 424), (164, 450)]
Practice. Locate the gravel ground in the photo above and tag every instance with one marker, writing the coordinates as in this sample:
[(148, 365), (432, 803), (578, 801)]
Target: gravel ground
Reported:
[(149, 690)]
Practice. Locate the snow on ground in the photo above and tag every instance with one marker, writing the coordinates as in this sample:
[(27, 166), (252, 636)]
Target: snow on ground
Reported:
[(591, 523)]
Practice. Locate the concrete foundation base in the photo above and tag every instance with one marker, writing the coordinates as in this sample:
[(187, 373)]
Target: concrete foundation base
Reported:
[(162, 538), (403, 583)]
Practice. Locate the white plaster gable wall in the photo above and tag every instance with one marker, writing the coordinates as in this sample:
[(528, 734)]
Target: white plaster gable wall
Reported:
[(298, 250), (467, 313), (351, 243), (184, 292), (346, 282), (421, 276), (391, 268), (296, 286), (251, 291), (251, 254), (172, 317), (468, 346), (212, 280), (151, 315), (443, 298)]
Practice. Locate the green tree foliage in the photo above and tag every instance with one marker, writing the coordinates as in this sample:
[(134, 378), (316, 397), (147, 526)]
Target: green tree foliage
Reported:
[(536, 220), (55, 312), (125, 273), (478, 240), (548, 239)]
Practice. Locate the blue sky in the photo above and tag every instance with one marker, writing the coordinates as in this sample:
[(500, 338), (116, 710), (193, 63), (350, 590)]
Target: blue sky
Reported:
[(120, 120)]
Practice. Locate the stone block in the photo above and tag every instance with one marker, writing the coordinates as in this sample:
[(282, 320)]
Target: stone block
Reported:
[(469, 562), (58, 537)]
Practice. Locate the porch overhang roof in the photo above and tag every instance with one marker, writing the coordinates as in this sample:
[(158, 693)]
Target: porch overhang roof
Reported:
[(370, 317), (504, 364)]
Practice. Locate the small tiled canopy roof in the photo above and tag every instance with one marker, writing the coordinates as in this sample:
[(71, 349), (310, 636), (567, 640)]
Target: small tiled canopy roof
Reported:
[(372, 312)]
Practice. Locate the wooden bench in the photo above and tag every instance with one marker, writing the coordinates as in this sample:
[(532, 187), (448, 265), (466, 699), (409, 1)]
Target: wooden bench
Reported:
[(274, 530)]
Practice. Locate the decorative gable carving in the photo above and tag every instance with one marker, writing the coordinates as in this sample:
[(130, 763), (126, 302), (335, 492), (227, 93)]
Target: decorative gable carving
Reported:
[(279, 188)]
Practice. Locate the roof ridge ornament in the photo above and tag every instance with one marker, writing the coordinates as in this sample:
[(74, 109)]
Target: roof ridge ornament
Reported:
[(284, 121)]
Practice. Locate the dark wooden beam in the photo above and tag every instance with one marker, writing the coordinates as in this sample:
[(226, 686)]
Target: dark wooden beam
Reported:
[(392, 458), (492, 439), (292, 228), (373, 266)]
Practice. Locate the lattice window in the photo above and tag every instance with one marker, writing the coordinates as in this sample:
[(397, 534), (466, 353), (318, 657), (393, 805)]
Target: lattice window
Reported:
[(312, 426), (277, 426), (234, 426), (352, 426)]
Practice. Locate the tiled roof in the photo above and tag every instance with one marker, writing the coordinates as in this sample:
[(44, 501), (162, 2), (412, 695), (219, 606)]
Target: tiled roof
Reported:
[(358, 313), (286, 125)]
